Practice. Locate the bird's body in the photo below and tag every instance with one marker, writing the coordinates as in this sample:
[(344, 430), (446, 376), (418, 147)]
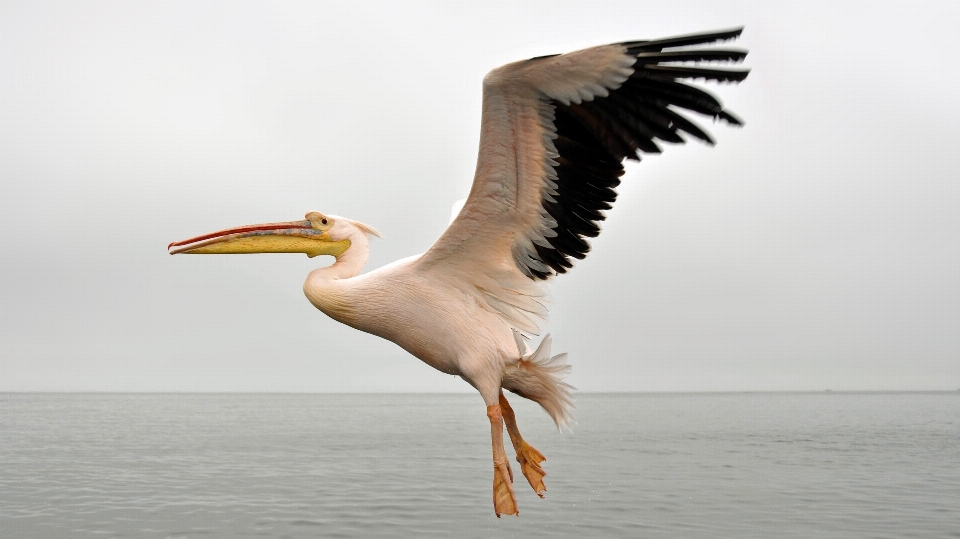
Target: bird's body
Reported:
[(379, 303), (554, 133), (446, 304)]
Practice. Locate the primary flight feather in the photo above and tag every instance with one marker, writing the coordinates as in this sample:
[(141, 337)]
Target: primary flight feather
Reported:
[(554, 134)]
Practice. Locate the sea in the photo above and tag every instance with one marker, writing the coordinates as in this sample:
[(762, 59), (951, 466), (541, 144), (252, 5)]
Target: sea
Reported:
[(738, 465)]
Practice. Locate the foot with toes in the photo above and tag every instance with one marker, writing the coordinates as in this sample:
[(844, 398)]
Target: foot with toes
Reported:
[(530, 459)]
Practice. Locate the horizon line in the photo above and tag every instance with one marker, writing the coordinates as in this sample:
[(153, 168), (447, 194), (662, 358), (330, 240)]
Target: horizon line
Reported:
[(664, 392)]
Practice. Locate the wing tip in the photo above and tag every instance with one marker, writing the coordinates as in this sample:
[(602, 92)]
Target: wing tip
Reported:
[(684, 40)]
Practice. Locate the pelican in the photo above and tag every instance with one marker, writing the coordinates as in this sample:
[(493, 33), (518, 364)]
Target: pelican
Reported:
[(555, 132)]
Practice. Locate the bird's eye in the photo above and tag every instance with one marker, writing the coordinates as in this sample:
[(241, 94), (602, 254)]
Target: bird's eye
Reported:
[(324, 221)]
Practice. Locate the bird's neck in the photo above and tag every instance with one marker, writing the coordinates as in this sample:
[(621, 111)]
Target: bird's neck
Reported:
[(350, 263), (325, 287)]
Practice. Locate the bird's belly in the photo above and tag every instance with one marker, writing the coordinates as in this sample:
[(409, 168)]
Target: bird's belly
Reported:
[(442, 330), (426, 336)]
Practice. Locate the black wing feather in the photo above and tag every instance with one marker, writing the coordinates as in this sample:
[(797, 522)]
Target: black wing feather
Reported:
[(594, 137), (716, 55), (636, 47)]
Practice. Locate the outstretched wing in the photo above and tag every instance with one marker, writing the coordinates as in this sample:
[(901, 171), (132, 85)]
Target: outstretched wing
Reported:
[(554, 133)]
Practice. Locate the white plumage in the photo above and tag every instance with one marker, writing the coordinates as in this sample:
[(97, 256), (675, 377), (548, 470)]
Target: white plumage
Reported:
[(554, 133)]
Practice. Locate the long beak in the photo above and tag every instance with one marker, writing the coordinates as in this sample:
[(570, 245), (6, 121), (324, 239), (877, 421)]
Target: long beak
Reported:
[(291, 237)]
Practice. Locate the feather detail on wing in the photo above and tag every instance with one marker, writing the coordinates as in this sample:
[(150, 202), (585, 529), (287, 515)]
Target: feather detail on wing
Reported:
[(554, 133)]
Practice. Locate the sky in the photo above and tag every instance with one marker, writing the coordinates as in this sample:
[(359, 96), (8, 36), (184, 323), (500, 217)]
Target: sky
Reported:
[(816, 248)]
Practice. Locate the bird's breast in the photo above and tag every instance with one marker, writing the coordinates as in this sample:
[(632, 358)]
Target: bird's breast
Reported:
[(332, 301)]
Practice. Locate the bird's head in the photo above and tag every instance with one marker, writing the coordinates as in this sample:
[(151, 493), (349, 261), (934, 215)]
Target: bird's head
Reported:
[(317, 234)]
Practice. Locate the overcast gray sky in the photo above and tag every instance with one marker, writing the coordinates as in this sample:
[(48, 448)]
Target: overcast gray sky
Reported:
[(818, 247)]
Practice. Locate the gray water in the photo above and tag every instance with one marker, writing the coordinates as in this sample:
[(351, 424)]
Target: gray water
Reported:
[(648, 465)]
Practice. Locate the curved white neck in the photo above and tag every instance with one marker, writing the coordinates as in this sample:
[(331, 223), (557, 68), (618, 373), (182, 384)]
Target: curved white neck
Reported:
[(325, 288), (349, 264)]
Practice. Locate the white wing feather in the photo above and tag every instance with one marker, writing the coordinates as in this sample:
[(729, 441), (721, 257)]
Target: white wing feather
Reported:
[(503, 217)]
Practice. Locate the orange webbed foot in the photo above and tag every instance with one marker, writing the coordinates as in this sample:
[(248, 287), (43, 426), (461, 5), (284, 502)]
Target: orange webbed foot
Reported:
[(530, 459), (504, 500)]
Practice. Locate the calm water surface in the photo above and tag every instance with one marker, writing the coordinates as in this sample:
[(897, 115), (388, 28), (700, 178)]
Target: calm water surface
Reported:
[(649, 465)]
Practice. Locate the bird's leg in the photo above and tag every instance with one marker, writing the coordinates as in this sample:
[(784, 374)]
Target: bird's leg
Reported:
[(504, 501), (527, 455)]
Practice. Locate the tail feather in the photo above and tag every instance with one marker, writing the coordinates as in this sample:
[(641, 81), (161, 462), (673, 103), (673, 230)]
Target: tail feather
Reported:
[(539, 377)]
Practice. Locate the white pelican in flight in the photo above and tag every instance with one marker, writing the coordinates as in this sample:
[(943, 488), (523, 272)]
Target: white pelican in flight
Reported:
[(555, 131)]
